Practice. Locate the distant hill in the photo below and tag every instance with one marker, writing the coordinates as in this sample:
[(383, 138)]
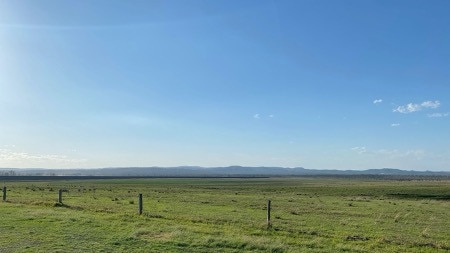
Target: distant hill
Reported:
[(193, 171)]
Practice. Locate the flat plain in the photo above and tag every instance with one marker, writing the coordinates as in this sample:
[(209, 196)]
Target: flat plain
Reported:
[(227, 215)]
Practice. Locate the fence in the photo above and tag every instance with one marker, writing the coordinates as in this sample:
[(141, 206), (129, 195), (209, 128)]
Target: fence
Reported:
[(140, 205)]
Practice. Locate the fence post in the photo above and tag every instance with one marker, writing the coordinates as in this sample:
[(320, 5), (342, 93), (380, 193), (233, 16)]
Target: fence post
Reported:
[(268, 214), (4, 193), (60, 196), (140, 203)]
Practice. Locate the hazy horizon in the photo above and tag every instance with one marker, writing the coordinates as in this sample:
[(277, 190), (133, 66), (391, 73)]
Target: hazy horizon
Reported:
[(214, 167), (313, 84)]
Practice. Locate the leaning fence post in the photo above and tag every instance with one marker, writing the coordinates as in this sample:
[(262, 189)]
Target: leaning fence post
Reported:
[(4, 193), (140, 203), (60, 196), (268, 214)]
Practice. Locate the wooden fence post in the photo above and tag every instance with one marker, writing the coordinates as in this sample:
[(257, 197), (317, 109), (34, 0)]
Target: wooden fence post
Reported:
[(4, 193), (60, 196), (268, 214), (140, 203)]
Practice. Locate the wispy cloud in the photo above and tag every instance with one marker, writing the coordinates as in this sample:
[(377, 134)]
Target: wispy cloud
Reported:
[(359, 150), (7, 155), (395, 124), (409, 108), (259, 116), (416, 154), (376, 101), (431, 104), (438, 115)]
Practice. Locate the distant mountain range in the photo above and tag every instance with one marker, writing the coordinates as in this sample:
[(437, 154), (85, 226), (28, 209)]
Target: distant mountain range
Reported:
[(193, 171)]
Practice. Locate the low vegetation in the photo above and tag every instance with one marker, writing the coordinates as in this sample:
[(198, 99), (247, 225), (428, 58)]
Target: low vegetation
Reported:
[(227, 215)]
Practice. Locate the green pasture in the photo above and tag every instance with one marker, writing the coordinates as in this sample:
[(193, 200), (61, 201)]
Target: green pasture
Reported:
[(227, 215)]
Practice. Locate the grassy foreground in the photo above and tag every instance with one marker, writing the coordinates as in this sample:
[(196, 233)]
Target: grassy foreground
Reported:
[(227, 215)]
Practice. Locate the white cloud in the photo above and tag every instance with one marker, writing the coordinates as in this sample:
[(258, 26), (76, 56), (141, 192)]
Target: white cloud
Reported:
[(416, 154), (359, 150), (263, 116), (431, 104), (409, 108), (14, 157), (438, 115), (395, 124), (376, 101)]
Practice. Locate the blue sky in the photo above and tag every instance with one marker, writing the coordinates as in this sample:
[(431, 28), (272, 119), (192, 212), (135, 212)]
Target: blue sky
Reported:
[(317, 84)]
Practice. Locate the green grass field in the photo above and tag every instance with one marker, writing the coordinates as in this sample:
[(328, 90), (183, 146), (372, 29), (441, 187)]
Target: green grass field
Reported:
[(227, 215)]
